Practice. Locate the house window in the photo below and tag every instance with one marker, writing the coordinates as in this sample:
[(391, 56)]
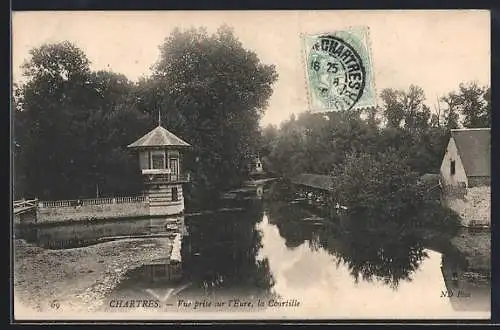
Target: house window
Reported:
[(452, 167), (175, 194), (158, 161)]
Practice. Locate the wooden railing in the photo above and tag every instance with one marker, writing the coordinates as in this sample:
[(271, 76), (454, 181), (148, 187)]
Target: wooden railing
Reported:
[(94, 201), (24, 204), (166, 177)]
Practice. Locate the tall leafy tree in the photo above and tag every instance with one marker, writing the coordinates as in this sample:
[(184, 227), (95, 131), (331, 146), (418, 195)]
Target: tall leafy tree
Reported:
[(53, 103), (71, 126), (315, 142), (406, 109), (451, 112), (474, 102), (269, 134), (213, 92)]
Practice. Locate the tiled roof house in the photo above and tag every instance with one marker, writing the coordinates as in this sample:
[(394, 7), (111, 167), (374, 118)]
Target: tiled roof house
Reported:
[(467, 159)]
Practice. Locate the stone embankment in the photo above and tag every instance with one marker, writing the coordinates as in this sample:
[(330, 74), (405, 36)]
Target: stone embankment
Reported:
[(474, 207)]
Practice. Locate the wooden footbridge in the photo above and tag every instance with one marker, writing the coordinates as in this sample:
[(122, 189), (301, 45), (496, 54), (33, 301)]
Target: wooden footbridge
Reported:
[(25, 211)]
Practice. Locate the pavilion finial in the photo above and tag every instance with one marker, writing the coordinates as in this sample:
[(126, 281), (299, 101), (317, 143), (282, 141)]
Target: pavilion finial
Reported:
[(159, 118)]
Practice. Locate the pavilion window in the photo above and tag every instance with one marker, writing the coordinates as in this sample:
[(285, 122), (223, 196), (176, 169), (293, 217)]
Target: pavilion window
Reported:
[(174, 166), (158, 160)]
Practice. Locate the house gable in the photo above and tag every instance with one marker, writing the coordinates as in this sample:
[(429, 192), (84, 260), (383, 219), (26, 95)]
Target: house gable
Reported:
[(451, 155)]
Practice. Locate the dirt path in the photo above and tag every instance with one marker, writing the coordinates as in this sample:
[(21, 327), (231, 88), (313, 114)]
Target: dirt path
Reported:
[(77, 280)]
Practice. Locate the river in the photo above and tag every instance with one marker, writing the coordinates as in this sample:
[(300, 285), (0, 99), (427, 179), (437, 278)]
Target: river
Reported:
[(272, 259)]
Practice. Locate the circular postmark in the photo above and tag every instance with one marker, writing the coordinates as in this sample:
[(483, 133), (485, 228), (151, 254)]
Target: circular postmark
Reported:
[(336, 72)]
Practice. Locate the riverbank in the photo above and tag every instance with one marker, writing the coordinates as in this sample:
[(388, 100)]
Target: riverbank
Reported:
[(77, 280), (476, 247)]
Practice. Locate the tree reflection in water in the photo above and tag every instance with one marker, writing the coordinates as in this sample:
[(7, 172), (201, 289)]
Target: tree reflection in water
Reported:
[(376, 256), (289, 218), (370, 255), (220, 253)]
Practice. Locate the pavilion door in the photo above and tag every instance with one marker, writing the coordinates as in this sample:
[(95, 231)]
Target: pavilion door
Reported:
[(174, 168)]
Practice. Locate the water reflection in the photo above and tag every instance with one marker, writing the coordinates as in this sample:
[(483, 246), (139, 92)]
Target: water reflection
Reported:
[(79, 234), (221, 250), (387, 254), (219, 263), (272, 249), (373, 256), (466, 290), (323, 278), (314, 257)]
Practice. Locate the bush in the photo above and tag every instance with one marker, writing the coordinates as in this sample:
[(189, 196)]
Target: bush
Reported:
[(382, 191), (373, 185)]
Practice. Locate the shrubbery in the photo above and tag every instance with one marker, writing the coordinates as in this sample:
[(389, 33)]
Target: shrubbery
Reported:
[(381, 189)]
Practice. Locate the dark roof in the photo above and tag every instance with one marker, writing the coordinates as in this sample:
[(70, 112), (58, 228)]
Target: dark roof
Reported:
[(159, 137), (317, 181), (474, 148)]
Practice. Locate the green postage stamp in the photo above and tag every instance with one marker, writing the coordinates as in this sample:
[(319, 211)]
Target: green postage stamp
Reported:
[(339, 73)]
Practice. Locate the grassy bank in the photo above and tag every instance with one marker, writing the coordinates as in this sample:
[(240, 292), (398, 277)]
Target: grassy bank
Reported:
[(76, 280)]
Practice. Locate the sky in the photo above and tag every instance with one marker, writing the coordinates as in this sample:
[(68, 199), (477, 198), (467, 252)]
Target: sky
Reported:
[(436, 50)]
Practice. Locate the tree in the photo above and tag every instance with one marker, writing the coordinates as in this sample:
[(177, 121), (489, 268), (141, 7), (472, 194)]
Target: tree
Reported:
[(72, 126), (52, 95), (474, 102), (377, 187), (315, 142), (268, 138), (393, 109), (406, 109), (217, 91), (451, 116), (287, 155), (487, 98), (19, 121)]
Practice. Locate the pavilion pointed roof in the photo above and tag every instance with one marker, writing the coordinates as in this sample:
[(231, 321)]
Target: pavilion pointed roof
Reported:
[(159, 137)]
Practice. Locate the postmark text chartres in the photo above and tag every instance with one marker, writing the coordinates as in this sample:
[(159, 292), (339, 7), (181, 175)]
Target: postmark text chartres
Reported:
[(336, 72)]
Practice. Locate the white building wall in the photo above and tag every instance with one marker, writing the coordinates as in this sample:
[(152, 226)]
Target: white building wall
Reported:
[(450, 155), (144, 159)]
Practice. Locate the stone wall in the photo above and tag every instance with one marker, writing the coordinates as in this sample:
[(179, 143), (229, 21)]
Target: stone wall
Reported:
[(87, 212), (476, 181), (171, 208), (458, 191), (474, 208)]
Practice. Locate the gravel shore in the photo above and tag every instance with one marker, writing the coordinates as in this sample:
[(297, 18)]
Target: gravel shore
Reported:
[(77, 280)]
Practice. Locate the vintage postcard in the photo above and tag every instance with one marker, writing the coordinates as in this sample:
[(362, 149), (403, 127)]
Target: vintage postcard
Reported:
[(258, 165)]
